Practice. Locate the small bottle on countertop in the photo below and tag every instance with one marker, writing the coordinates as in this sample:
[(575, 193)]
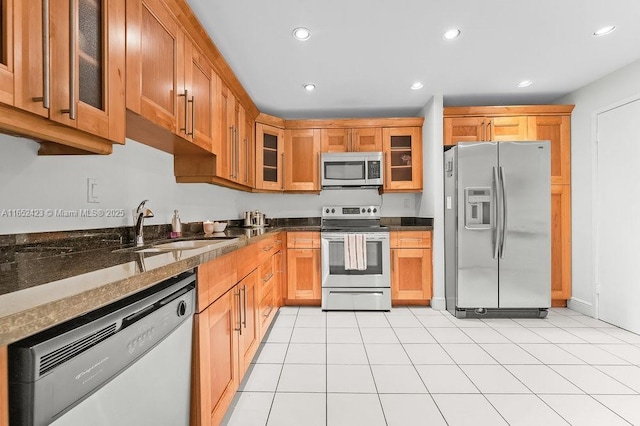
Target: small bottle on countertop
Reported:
[(176, 226)]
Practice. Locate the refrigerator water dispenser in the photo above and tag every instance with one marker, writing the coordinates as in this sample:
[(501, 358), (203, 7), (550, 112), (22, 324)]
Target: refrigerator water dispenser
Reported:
[(477, 208)]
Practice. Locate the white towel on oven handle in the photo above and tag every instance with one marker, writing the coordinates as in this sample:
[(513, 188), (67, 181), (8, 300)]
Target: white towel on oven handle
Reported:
[(355, 252)]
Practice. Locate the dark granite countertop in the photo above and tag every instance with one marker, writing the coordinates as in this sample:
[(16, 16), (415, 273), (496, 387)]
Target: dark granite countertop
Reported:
[(46, 279)]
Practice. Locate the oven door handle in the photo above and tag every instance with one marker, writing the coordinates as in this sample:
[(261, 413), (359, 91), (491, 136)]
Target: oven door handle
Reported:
[(340, 236)]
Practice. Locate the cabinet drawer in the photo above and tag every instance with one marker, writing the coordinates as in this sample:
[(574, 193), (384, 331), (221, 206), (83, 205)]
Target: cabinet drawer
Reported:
[(410, 239), (247, 260), (215, 278), (300, 240), (266, 248)]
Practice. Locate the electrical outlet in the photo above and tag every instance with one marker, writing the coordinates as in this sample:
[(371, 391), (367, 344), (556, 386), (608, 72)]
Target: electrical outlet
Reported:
[(92, 191), (407, 203)]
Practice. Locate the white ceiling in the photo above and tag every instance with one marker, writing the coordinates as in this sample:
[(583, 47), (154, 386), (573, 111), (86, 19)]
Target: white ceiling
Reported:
[(364, 54)]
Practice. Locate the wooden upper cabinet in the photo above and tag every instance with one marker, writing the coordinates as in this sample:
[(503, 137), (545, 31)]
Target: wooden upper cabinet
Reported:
[(6, 52), (153, 39), (269, 152), (463, 129), (346, 140), (301, 160), (469, 129), (402, 147), (83, 87), (196, 97), (246, 129), (557, 130)]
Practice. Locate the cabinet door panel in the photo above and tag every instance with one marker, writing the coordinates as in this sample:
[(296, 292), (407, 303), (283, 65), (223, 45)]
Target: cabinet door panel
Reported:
[(557, 130), (28, 52), (411, 274), (199, 85), (507, 129), (367, 139), (302, 158), (269, 150), (402, 158), (152, 62), (560, 242), (248, 339), (303, 274), (6, 51), (463, 129), (215, 371), (334, 140)]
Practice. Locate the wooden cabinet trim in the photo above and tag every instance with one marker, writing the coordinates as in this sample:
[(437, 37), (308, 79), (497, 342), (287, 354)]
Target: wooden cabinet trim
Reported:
[(491, 111), (348, 123), (270, 120)]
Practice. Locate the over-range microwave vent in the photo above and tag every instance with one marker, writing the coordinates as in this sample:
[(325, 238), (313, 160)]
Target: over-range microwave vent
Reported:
[(352, 170), (58, 356)]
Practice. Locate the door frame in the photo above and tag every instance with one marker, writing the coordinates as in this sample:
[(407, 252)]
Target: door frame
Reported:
[(595, 198)]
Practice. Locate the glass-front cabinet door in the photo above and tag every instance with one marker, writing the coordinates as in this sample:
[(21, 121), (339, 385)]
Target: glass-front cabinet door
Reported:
[(6, 52), (402, 147), (71, 63), (269, 153)]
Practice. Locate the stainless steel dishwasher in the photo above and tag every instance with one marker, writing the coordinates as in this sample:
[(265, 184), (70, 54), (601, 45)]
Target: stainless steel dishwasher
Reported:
[(128, 363)]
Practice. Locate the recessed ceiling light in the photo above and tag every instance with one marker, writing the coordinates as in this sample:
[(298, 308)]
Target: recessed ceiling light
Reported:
[(301, 33), (604, 30), (309, 87), (525, 83), (451, 34), (417, 86)]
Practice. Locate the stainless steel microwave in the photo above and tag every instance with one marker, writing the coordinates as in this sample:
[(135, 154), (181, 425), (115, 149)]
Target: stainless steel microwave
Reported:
[(352, 169)]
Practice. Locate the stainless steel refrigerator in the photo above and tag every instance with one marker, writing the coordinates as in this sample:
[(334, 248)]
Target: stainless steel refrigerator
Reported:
[(498, 229)]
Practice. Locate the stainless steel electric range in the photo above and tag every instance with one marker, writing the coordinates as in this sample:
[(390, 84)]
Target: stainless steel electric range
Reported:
[(350, 233)]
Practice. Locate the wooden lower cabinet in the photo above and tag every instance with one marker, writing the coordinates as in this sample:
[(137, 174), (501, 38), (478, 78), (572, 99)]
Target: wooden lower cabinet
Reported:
[(248, 333), (303, 268), (411, 276), (267, 282), (560, 244), (216, 375)]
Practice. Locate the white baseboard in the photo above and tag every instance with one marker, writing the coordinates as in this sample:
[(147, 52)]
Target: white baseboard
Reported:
[(581, 306), (439, 303)]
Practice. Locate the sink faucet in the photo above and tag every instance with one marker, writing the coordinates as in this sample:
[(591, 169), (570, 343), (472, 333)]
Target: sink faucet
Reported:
[(141, 214)]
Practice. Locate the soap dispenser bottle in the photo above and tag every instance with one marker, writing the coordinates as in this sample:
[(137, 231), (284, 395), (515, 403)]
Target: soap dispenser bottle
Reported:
[(176, 226)]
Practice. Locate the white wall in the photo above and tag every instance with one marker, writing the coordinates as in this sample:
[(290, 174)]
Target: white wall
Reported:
[(589, 100), (135, 172), (430, 202)]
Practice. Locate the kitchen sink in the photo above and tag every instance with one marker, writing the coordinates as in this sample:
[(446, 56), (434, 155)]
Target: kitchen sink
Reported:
[(185, 245), (179, 245)]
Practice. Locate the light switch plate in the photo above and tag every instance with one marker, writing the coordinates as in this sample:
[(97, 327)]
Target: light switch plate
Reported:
[(92, 191)]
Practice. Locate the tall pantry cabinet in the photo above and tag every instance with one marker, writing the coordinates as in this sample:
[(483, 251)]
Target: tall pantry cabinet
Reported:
[(529, 122)]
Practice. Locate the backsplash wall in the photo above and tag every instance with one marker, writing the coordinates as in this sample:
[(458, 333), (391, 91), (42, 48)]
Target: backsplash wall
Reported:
[(57, 186)]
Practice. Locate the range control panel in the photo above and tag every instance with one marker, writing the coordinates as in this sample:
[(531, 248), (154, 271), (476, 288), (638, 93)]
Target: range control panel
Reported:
[(351, 212)]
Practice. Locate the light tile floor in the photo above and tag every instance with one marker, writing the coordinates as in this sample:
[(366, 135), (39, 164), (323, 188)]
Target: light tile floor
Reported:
[(418, 366)]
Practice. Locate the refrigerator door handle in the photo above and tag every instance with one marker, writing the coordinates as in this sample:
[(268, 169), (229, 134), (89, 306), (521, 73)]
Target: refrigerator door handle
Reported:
[(496, 223), (503, 239)]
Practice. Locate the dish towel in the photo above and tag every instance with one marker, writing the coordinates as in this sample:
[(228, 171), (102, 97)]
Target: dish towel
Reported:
[(355, 252)]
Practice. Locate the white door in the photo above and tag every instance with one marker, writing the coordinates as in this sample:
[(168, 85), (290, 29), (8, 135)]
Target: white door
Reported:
[(618, 216)]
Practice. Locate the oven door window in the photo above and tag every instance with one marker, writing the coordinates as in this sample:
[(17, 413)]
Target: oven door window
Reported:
[(336, 259), (344, 170)]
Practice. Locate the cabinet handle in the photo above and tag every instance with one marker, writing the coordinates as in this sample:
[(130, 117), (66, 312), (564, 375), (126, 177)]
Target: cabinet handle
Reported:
[(268, 277), (282, 171), (267, 248), (193, 117), (232, 144), (73, 41), (490, 126), (239, 313), (46, 57), (349, 140), (393, 260), (185, 129), (237, 152), (387, 166), (246, 163), (268, 312), (244, 298)]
